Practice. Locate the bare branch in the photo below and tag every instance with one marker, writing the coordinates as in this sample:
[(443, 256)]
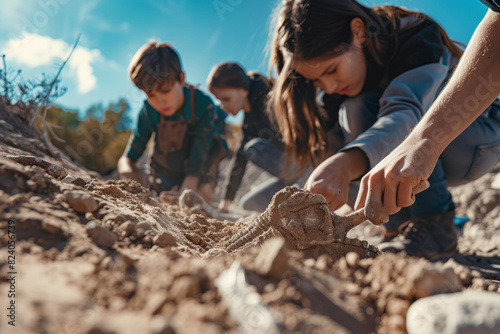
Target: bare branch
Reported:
[(49, 90)]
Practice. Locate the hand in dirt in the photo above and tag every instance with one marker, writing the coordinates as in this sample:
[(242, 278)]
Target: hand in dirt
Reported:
[(224, 205), (330, 181), (332, 177), (190, 182), (207, 190), (389, 185), (171, 196)]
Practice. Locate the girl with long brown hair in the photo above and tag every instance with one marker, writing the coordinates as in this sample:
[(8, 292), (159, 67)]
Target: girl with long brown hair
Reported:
[(376, 71), (261, 144)]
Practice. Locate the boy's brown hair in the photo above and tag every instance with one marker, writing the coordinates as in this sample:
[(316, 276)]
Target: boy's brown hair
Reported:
[(154, 65)]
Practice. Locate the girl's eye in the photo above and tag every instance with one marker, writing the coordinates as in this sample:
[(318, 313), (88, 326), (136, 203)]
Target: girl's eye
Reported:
[(333, 71)]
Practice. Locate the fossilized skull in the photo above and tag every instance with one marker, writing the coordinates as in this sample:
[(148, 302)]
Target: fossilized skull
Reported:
[(303, 215)]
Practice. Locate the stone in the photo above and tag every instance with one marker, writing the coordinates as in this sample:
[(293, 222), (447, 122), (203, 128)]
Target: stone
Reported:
[(100, 329), (496, 182), (164, 239), (272, 260), (352, 259), (468, 312), (81, 201), (433, 278), (159, 325), (128, 228), (52, 227), (99, 234)]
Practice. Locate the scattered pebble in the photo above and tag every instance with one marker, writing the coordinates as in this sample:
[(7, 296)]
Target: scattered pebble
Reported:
[(164, 239), (81, 201), (272, 260), (467, 312), (99, 234), (159, 325)]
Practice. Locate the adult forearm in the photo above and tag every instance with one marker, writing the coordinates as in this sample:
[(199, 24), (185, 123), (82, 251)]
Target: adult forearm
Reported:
[(472, 88)]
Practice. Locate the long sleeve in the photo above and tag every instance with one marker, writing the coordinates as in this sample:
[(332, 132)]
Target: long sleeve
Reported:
[(237, 172), (402, 105), (140, 136)]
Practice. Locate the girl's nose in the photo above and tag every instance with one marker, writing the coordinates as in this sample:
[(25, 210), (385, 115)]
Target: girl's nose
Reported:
[(328, 85)]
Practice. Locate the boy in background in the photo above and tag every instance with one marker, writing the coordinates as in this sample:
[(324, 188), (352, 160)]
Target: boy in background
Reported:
[(185, 122)]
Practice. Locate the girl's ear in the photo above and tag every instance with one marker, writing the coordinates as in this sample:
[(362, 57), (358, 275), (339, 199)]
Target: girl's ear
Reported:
[(244, 92), (183, 79), (358, 30)]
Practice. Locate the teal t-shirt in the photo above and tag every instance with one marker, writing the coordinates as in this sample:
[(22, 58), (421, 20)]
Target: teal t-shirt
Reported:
[(208, 118)]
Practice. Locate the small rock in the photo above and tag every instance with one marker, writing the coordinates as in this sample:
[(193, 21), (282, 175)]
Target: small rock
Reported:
[(147, 240), (465, 312), (398, 306), (159, 325), (31, 185), (496, 182), (81, 201), (145, 226), (272, 260), (323, 262), (60, 198), (185, 287), (310, 263), (99, 234), (432, 278), (352, 259), (53, 227), (128, 228), (115, 218), (100, 329), (164, 239)]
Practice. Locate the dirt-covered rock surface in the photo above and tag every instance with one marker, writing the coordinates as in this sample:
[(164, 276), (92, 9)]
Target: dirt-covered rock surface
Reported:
[(108, 257)]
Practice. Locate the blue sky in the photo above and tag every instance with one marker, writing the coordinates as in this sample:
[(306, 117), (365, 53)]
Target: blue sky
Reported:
[(36, 34)]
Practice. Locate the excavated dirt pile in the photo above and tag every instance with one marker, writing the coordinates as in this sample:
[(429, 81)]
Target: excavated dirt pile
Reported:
[(108, 257)]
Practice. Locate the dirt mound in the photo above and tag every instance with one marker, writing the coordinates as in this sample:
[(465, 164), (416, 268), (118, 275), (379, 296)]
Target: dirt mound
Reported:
[(110, 258)]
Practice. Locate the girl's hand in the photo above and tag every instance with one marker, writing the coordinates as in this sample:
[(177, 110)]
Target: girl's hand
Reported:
[(332, 177), (190, 182), (224, 205), (388, 186)]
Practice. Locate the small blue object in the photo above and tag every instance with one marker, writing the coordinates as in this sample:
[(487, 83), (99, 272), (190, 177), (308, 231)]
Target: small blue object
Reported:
[(460, 221)]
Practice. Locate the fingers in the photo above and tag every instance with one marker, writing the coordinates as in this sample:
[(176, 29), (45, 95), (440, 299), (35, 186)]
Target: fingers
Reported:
[(337, 200), (391, 189), (405, 195), (374, 208), (363, 191), (334, 196)]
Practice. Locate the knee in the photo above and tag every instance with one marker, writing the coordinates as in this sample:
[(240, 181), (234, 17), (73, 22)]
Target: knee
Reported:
[(357, 114), (251, 204), (253, 147)]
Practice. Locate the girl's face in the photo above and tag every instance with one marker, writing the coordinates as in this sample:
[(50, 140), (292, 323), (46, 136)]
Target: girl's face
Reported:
[(169, 99), (232, 99), (344, 74)]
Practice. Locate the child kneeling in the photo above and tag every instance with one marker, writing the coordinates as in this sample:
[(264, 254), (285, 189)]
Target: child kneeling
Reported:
[(185, 121)]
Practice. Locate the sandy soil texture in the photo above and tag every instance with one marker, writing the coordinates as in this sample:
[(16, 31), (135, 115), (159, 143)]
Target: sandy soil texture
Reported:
[(108, 257)]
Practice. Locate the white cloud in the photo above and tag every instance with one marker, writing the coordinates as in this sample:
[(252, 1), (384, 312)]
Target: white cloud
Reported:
[(11, 12), (34, 50)]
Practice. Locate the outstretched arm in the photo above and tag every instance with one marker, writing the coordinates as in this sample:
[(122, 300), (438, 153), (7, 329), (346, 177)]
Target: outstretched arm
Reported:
[(472, 88)]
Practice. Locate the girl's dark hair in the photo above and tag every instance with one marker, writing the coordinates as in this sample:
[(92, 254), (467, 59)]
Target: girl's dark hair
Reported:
[(306, 29), (228, 75)]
